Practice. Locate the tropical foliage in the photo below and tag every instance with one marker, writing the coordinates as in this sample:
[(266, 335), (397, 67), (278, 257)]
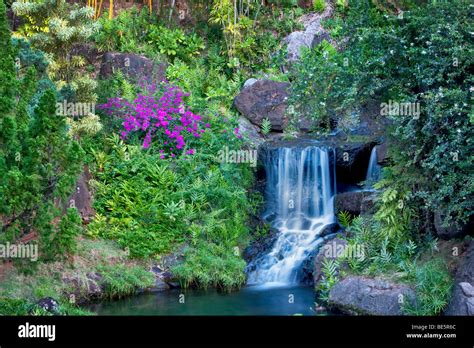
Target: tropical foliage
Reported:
[(38, 160), (152, 151), (423, 56)]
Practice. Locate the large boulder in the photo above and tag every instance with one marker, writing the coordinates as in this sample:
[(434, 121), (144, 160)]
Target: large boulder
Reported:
[(330, 229), (312, 34), (462, 298), (370, 122), (358, 295), (352, 202), (264, 99), (137, 68)]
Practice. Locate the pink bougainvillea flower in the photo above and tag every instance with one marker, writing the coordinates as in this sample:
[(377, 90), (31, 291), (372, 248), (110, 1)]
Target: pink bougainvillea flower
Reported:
[(161, 114)]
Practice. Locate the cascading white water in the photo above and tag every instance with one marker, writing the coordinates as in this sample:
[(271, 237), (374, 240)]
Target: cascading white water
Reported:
[(299, 195), (373, 170)]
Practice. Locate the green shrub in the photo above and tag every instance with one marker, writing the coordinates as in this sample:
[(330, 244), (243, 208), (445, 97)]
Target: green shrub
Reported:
[(400, 262), (253, 36), (39, 161), (22, 307), (211, 265), (62, 241), (65, 25), (205, 84), (382, 253), (341, 5), (311, 97), (120, 280), (17, 307), (433, 286), (431, 157), (10, 306), (175, 43), (125, 33), (394, 214), (136, 196), (150, 205), (319, 5)]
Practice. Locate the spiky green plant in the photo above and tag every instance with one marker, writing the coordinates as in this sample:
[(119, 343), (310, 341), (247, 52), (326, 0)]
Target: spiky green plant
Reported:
[(266, 126), (330, 268), (344, 218), (433, 284)]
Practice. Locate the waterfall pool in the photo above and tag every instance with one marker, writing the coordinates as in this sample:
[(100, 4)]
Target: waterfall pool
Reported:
[(251, 300)]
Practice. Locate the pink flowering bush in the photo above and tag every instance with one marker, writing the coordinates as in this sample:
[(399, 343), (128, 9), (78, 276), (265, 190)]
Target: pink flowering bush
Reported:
[(159, 115)]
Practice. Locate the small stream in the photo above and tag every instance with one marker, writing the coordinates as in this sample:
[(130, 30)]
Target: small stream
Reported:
[(252, 300)]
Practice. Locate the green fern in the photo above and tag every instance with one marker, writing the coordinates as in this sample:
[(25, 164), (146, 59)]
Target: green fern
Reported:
[(330, 268), (411, 247), (266, 126), (344, 218), (319, 5), (357, 225), (385, 256)]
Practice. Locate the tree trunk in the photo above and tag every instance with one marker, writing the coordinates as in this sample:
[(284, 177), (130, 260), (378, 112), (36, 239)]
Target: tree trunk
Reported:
[(173, 2), (111, 9)]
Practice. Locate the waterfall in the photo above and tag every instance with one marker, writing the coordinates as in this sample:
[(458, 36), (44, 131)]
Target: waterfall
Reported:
[(373, 170), (299, 197)]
